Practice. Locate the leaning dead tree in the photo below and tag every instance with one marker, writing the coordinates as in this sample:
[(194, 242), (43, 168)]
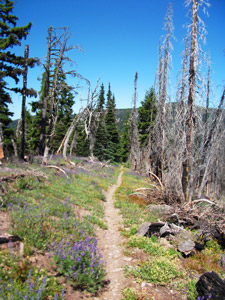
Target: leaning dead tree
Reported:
[(135, 153), (88, 116), (57, 45)]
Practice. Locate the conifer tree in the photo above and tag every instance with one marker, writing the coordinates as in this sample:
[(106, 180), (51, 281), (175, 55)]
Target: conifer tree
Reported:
[(10, 64), (65, 102), (65, 111), (147, 114), (100, 147), (113, 146), (82, 148), (125, 142)]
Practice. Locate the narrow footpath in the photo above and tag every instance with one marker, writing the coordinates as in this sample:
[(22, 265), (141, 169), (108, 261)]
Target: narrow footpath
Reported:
[(110, 243)]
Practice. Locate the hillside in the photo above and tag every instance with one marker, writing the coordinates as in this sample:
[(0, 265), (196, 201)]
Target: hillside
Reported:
[(50, 218), (122, 114)]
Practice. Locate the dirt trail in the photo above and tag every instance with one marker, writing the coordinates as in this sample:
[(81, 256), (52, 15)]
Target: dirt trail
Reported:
[(110, 243)]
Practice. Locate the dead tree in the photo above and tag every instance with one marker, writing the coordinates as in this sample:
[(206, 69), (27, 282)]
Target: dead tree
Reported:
[(212, 145), (90, 125), (135, 153), (61, 48), (23, 111), (192, 85), (51, 43), (164, 63), (187, 165), (1, 143), (88, 116)]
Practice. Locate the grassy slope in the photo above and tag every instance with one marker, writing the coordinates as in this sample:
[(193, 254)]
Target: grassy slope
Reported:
[(57, 217)]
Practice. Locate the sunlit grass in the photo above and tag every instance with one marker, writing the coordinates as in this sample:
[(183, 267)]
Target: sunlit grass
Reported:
[(62, 209)]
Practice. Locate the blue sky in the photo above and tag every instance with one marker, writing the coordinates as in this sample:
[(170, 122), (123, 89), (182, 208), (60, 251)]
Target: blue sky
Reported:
[(119, 37)]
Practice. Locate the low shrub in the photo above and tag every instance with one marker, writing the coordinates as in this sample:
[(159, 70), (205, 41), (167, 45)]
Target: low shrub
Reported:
[(81, 263)]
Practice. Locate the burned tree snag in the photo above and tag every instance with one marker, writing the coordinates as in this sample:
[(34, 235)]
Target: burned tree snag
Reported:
[(187, 165), (135, 154), (23, 111), (46, 94)]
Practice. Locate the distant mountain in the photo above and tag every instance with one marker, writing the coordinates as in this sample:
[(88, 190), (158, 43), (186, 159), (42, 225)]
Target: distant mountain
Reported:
[(121, 116), (13, 124)]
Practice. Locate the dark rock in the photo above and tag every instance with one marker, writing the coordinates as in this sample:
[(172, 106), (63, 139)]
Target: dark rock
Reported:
[(211, 285), (199, 246), (154, 228), (186, 247), (9, 238), (148, 229)]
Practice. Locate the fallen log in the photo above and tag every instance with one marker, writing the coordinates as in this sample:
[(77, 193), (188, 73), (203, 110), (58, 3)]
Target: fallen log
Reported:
[(13, 177), (58, 168)]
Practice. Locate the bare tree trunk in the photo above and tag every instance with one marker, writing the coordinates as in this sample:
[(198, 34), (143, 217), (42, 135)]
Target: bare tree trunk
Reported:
[(74, 143), (1, 143), (212, 143), (23, 110), (135, 153), (187, 166), (14, 147), (46, 95), (164, 89), (207, 105), (69, 133), (53, 113)]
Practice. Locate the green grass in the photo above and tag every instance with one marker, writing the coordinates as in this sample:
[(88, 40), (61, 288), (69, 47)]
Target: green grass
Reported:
[(133, 213), (159, 270), (49, 211)]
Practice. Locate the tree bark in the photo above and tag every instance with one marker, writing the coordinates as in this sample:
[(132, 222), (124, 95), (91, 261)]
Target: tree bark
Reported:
[(1, 143), (187, 165), (135, 154), (23, 111), (46, 95)]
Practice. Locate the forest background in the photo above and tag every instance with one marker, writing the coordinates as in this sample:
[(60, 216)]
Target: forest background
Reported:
[(164, 139)]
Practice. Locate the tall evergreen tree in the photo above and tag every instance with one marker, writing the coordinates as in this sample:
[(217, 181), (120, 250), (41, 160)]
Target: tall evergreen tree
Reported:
[(10, 64), (125, 142), (82, 148), (65, 111), (100, 148), (146, 115), (65, 102), (113, 146)]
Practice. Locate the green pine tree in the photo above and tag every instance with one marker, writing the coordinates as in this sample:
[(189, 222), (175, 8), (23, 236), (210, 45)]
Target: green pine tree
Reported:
[(113, 142), (125, 142), (82, 145), (65, 111), (101, 139), (65, 115), (10, 64), (147, 114)]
